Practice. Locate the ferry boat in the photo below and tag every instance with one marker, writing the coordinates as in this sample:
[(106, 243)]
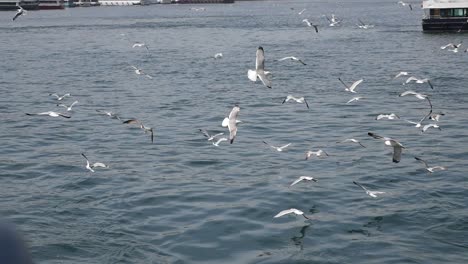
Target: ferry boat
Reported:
[(121, 2), (445, 15), (51, 4), (9, 5)]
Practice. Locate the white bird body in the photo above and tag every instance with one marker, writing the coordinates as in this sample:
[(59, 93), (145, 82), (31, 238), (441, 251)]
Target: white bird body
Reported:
[(369, 192), (426, 127), (317, 153), (430, 169), (391, 116), (292, 58), (90, 166), (109, 114), (303, 178), (291, 211), (232, 124), (69, 108), (60, 98), (218, 55), (279, 149), (417, 80), (436, 117), (139, 71), (418, 95), (50, 113), (210, 137), (219, 141), (259, 71), (397, 146), (300, 100), (354, 99), (352, 87)]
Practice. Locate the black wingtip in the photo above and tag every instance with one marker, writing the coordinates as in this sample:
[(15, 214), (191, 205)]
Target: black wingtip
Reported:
[(396, 161)]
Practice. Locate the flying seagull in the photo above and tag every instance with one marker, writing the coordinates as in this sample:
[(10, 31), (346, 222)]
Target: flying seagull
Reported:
[(69, 108), (302, 11), (370, 193), (232, 124), (405, 4), (219, 141), (279, 149), (425, 80), (451, 46), (391, 116), (397, 146), (352, 87), (291, 211), (301, 100), (210, 137), (60, 98), (310, 25), (303, 178), (317, 153), (50, 113), (364, 25), (94, 165), (333, 20), (259, 71), (426, 127), (142, 126), (403, 73), (109, 114), (351, 140), (218, 56), (292, 58), (19, 12), (354, 99), (436, 116), (430, 169), (139, 45), (140, 72)]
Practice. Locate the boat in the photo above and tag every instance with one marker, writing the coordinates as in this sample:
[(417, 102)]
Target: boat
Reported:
[(445, 15), (121, 2), (8, 5), (51, 4)]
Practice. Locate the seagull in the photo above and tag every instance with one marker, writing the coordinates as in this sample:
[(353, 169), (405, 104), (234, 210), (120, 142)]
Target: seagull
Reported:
[(232, 124), (416, 124), (333, 21), (302, 11), (291, 211), (69, 108), (354, 99), (430, 169), (311, 25), (391, 116), (142, 126), (260, 69), (317, 153), (352, 87), (108, 113), (140, 72), (278, 148), (403, 73), (370, 193), (218, 55), (405, 4), (19, 12), (210, 137), (426, 127), (436, 116), (301, 100), (303, 178), (426, 80), (96, 164), (451, 46), (139, 45), (50, 113), (363, 25), (397, 146), (418, 95), (219, 141), (351, 140), (60, 98), (292, 58)]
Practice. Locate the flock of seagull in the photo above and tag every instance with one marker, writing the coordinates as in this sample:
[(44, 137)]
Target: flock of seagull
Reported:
[(231, 122)]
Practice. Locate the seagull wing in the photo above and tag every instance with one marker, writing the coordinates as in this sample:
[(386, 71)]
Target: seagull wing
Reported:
[(355, 84), (303, 63), (285, 58), (362, 187), (62, 115), (412, 78), (131, 121), (316, 28), (285, 146), (205, 132), (74, 103), (430, 84), (306, 103), (289, 211), (375, 135), (99, 164), (421, 160), (296, 181), (19, 13), (397, 149), (260, 59), (345, 85), (264, 79), (407, 93), (232, 125)]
